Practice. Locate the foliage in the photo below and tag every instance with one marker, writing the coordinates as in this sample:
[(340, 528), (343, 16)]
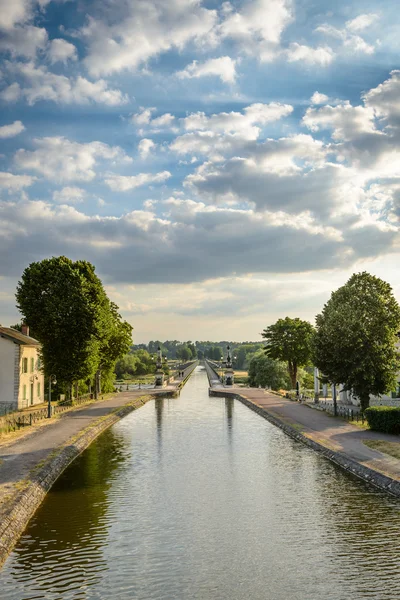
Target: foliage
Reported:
[(267, 372), (289, 340), (384, 418), (80, 330), (356, 335)]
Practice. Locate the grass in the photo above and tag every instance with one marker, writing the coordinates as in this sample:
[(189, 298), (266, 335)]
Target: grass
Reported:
[(390, 448)]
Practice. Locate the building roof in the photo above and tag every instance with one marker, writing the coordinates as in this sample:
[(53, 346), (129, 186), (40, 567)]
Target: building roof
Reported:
[(17, 337)]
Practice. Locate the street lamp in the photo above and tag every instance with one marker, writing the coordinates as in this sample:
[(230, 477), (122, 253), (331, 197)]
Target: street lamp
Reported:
[(52, 379)]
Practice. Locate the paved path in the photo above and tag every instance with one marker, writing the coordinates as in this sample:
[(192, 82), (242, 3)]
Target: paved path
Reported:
[(334, 433), (19, 457)]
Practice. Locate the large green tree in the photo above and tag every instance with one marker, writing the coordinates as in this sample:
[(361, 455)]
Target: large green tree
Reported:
[(356, 335), (289, 340), (79, 328)]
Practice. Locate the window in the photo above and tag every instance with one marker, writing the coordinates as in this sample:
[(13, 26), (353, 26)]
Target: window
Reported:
[(38, 390), (24, 390), (25, 365), (32, 365)]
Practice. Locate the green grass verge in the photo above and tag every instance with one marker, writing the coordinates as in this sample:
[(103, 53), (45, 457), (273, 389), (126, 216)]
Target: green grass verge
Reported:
[(390, 448)]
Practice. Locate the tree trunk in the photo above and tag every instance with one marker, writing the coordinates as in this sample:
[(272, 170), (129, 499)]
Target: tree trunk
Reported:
[(292, 368), (364, 401)]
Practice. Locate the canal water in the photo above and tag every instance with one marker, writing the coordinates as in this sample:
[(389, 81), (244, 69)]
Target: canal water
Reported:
[(200, 498)]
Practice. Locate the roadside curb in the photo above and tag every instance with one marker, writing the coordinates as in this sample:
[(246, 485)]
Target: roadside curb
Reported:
[(383, 482), (23, 506)]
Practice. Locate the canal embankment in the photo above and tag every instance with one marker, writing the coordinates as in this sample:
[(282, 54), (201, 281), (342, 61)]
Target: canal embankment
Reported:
[(333, 438), (30, 465)]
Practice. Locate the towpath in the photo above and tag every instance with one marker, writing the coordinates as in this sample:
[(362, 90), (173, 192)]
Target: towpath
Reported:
[(333, 433)]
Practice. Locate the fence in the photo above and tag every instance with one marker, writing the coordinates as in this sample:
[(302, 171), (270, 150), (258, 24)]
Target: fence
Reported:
[(14, 420)]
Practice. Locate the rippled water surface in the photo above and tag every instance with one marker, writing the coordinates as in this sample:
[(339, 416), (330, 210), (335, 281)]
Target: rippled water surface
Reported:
[(199, 497)]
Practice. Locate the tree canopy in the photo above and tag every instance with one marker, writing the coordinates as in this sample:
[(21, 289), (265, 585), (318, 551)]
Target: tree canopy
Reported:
[(289, 340), (267, 372), (356, 335), (80, 330)]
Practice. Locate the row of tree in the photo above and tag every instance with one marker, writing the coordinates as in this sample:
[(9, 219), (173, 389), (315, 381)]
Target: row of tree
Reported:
[(173, 349), (80, 330), (353, 342)]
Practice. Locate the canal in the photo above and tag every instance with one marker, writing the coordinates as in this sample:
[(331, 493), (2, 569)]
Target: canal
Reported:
[(200, 498)]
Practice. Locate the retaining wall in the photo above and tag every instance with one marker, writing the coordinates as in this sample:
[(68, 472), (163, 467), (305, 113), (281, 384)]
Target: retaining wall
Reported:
[(342, 460)]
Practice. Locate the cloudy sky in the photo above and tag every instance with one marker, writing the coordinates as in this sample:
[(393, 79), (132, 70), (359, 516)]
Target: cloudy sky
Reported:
[(222, 164)]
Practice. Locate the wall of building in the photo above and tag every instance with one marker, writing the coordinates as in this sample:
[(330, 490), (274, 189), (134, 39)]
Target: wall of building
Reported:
[(9, 353), (31, 383)]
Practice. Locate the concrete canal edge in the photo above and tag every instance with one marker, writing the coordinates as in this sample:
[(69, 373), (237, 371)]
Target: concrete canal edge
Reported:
[(22, 506), (379, 480)]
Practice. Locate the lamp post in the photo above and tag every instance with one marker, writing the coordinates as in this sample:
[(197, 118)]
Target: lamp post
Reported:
[(52, 379)]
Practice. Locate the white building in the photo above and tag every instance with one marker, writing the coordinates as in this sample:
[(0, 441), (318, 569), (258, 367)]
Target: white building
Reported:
[(21, 379)]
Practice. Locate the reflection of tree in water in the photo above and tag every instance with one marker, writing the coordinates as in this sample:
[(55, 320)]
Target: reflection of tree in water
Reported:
[(159, 406), (68, 532), (358, 522)]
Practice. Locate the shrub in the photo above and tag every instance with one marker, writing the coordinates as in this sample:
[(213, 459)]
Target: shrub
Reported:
[(384, 418)]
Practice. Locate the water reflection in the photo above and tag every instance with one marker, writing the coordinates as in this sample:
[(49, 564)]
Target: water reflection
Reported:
[(159, 406), (63, 550), (174, 502)]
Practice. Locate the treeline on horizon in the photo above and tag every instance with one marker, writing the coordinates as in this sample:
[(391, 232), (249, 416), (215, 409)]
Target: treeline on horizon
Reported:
[(174, 349), (140, 360)]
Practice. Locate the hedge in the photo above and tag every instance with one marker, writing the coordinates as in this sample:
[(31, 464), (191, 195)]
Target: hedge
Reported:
[(384, 418)]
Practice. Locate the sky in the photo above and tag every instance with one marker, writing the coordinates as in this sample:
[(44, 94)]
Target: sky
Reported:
[(222, 164)]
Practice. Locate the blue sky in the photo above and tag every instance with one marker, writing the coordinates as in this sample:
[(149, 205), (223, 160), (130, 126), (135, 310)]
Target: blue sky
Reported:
[(222, 164)]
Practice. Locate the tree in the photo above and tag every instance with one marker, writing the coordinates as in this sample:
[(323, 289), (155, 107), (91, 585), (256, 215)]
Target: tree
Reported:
[(265, 371), (183, 352), (356, 335), (289, 340), (79, 328)]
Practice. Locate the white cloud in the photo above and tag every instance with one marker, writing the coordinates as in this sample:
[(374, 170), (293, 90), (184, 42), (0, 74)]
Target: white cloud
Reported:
[(385, 99), (355, 43), (361, 22), (61, 51), (318, 98), (322, 56), (351, 41), (345, 120), (69, 195), (23, 41), (14, 183), (13, 12), (245, 124), (139, 30), (11, 93), (164, 120), (11, 130), (41, 84), (123, 183), (144, 118), (258, 25), (223, 67), (145, 146), (60, 159)]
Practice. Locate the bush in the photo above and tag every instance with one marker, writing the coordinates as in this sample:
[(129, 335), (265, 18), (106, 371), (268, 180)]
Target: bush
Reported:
[(384, 418)]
